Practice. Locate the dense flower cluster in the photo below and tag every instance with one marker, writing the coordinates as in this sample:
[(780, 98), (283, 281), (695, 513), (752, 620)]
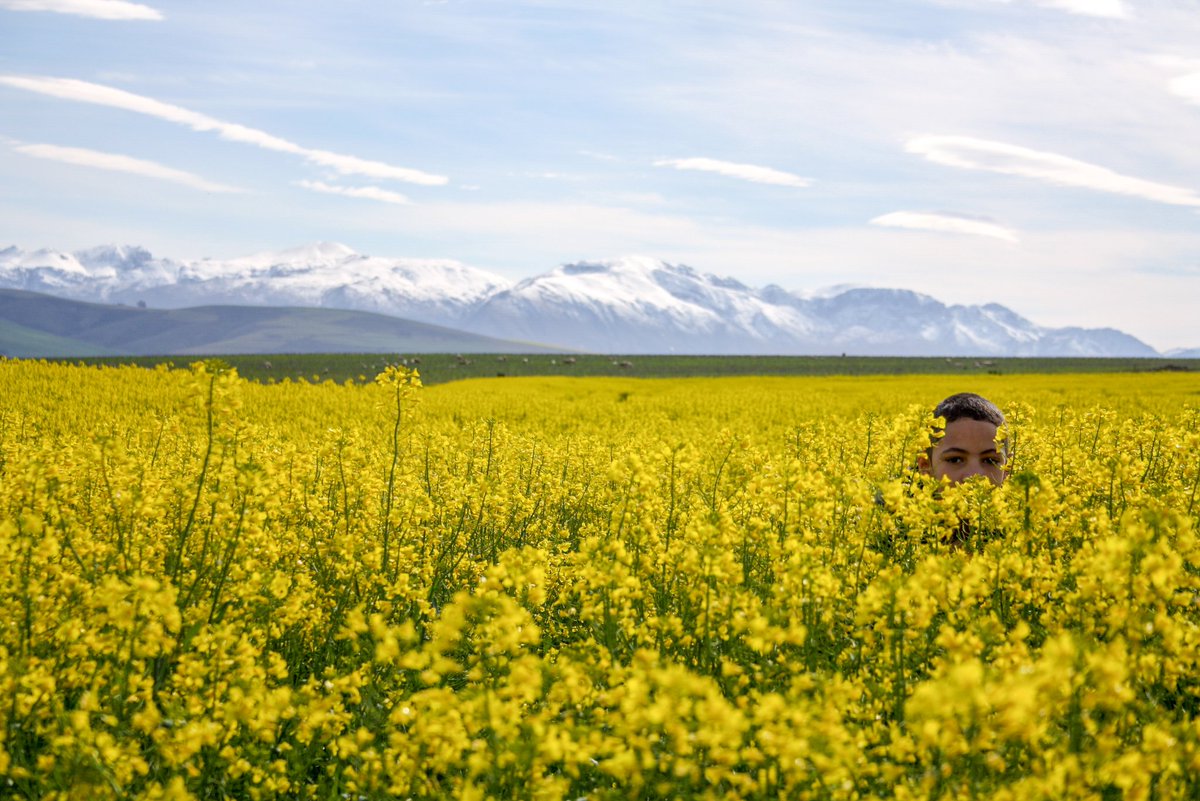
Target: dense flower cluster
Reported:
[(576, 588)]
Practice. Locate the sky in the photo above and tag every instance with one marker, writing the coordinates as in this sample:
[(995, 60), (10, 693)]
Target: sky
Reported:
[(1041, 154)]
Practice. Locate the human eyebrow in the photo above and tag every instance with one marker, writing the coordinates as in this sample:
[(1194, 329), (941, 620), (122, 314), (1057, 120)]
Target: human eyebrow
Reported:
[(990, 453)]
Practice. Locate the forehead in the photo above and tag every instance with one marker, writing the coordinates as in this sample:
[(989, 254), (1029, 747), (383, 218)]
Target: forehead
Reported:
[(975, 436)]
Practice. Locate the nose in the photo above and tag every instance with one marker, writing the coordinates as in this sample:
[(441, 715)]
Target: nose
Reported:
[(973, 469)]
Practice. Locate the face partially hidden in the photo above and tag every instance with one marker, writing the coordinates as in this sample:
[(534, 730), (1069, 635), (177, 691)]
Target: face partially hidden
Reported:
[(967, 448)]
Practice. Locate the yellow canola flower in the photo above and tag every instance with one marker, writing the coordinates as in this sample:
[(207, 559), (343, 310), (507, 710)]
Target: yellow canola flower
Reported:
[(592, 588)]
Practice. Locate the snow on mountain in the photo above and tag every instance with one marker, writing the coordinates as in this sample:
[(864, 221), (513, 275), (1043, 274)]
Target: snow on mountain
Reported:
[(629, 305), (638, 305), (127, 269), (322, 274), (890, 321), (317, 257), (333, 275), (40, 271)]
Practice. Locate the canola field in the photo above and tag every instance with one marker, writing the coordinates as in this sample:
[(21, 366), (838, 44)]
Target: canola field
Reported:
[(600, 588)]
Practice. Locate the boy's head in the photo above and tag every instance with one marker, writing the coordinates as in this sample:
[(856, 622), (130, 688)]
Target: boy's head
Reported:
[(971, 444)]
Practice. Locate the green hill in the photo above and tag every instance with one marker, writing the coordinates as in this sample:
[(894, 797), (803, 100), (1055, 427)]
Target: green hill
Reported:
[(34, 325), (19, 341)]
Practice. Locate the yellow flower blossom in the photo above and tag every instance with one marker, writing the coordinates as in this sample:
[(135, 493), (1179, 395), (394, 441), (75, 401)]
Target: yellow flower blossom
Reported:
[(600, 588)]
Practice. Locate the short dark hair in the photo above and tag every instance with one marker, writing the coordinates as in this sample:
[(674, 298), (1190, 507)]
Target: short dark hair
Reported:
[(970, 406)]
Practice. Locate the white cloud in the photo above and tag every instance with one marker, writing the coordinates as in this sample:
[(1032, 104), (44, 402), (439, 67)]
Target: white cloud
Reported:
[(1111, 9), (118, 163), (746, 172), (948, 223), (981, 154), (100, 9), (1187, 87), (85, 92), (367, 192)]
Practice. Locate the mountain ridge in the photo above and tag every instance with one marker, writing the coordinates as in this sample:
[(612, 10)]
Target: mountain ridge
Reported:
[(634, 304)]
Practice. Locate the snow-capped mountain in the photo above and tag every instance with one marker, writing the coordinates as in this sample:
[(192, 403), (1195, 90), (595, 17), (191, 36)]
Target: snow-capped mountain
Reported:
[(322, 275), (333, 275), (90, 274), (629, 305), (639, 305)]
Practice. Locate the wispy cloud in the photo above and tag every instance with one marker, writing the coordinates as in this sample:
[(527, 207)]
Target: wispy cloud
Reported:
[(944, 223), (982, 154), (598, 156), (118, 163), (1111, 9), (85, 92), (100, 9), (745, 172), (367, 192), (1186, 86)]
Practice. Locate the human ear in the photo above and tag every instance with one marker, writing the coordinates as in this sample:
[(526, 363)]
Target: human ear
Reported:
[(923, 465)]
